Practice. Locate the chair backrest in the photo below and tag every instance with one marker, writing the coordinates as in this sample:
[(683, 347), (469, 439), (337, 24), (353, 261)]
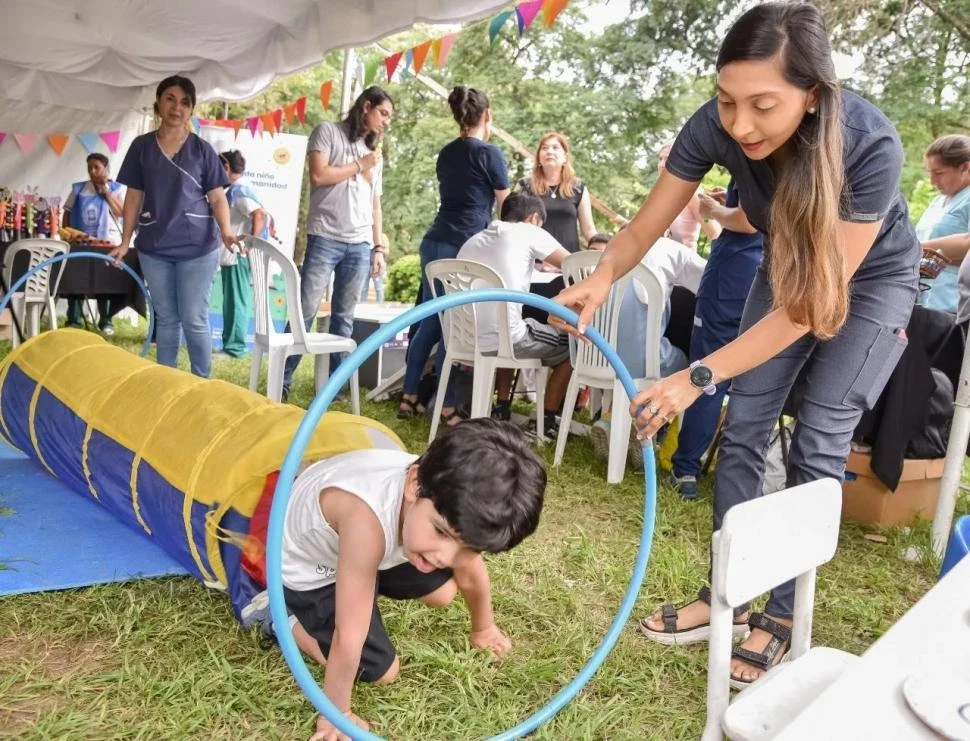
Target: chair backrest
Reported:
[(38, 285), (606, 319), (459, 326), (771, 539), (262, 256)]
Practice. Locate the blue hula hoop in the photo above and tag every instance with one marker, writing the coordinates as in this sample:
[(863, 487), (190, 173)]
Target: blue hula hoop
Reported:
[(274, 540), (5, 301)]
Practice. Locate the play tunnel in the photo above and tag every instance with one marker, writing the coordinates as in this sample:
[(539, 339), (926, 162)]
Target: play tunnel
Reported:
[(181, 458)]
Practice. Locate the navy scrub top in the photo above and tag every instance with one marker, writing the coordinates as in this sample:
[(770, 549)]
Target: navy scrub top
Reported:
[(873, 161)]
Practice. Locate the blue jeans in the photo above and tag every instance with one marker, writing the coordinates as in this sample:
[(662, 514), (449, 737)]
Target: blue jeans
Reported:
[(429, 331), (180, 294), (378, 288), (350, 265), (633, 326), (716, 323)]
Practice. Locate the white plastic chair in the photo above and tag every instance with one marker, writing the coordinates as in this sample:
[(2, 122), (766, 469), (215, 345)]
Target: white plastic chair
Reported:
[(461, 339), (590, 367), (278, 346), (37, 291), (762, 543)]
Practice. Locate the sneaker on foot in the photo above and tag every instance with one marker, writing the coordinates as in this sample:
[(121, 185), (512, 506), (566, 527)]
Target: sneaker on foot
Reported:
[(686, 486), (599, 438), (635, 450)]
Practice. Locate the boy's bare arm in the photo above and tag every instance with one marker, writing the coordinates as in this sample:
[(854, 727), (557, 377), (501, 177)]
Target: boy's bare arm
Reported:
[(358, 558), (471, 577)]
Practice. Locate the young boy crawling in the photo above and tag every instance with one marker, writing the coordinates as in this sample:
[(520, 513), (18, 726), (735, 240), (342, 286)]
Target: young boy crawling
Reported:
[(384, 522)]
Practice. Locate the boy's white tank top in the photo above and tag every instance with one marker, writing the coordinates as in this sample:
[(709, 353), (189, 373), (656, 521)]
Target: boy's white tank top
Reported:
[(310, 545)]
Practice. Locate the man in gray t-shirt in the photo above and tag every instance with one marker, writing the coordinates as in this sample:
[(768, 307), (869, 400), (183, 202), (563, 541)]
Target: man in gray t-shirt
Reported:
[(344, 218)]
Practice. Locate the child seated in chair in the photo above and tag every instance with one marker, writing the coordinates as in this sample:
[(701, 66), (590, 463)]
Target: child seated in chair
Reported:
[(383, 522), (512, 247)]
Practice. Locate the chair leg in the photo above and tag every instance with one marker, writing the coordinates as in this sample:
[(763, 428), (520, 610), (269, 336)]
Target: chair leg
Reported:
[(619, 438), (541, 376), (274, 374), (321, 371), (355, 394), (256, 363), (483, 386), (53, 312), (718, 656), (439, 397), (572, 391)]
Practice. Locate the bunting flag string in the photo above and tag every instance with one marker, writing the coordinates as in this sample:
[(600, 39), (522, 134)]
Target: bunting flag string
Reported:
[(26, 142)]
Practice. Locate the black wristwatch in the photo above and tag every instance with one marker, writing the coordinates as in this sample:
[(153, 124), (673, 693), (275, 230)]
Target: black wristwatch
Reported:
[(702, 377)]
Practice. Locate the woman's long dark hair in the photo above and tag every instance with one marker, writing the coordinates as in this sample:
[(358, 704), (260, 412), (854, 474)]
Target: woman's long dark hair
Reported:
[(354, 123), (468, 106), (806, 258)]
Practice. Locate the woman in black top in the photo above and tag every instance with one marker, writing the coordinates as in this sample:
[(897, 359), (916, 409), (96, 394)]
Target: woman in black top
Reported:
[(563, 194)]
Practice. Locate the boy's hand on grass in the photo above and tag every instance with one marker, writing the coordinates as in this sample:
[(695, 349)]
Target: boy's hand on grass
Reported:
[(327, 731), (493, 639)]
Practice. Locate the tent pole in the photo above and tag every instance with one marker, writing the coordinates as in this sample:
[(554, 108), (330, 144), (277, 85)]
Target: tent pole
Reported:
[(956, 450), (346, 87), (515, 144)]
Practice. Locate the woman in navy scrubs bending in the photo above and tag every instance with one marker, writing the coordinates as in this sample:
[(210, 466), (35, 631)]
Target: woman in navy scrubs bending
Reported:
[(817, 169)]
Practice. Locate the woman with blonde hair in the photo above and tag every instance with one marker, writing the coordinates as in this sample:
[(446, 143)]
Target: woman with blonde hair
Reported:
[(563, 194), (817, 169)]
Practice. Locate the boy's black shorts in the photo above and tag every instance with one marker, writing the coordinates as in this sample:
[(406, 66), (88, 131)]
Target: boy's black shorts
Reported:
[(315, 609)]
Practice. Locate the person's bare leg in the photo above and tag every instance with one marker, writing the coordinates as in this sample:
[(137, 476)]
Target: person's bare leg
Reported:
[(442, 596), (556, 387), (308, 644)]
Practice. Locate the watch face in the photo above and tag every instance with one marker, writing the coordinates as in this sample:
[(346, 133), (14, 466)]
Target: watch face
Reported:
[(701, 376)]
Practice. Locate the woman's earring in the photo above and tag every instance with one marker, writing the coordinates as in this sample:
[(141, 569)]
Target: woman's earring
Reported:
[(812, 110)]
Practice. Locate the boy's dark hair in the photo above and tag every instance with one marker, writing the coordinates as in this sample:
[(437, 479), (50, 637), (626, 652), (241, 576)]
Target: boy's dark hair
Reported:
[(98, 157), (486, 481), (235, 160), (519, 205), (599, 238)]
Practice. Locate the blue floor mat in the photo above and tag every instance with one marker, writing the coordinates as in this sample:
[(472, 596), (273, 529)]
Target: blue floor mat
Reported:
[(54, 538)]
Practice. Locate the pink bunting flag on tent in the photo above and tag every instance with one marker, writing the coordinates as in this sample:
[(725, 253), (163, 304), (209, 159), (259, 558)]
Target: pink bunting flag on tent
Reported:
[(26, 142), (111, 139), (391, 62), (419, 55), (3, 135), (527, 13), (252, 123), (444, 48)]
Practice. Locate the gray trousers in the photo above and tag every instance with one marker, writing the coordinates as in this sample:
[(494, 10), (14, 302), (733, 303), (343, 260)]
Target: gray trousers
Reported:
[(845, 375)]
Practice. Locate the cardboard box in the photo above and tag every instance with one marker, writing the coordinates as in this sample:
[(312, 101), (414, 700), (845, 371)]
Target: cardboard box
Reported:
[(865, 499)]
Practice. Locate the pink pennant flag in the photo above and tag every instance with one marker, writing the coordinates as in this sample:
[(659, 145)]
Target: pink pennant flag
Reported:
[(26, 142), (3, 135), (528, 11), (446, 43), (252, 123), (111, 138)]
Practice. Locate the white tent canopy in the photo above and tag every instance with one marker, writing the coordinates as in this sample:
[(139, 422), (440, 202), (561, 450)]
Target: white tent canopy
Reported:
[(87, 66), (108, 55)]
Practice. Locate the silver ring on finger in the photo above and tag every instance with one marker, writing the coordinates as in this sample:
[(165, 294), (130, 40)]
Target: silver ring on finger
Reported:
[(653, 409)]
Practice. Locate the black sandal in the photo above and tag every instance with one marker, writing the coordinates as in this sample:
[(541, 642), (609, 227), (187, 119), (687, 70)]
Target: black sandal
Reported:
[(774, 653), (453, 419), (670, 636), (408, 409)]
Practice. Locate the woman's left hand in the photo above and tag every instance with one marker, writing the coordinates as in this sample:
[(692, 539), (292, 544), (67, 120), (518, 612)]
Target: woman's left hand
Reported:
[(662, 402), (234, 243)]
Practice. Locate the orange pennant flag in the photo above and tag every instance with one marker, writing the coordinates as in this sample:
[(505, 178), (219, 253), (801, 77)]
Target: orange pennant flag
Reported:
[(552, 8), (301, 109), (278, 119), (419, 54), (236, 125), (268, 123), (390, 63), (445, 48), (58, 142), (325, 90), (289, 113)]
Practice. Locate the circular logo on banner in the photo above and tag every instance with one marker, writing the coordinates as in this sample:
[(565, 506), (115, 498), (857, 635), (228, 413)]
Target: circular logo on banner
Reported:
[(281, 156)]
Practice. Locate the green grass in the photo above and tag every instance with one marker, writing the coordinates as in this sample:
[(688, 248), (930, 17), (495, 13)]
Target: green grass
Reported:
[(164, 659)]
